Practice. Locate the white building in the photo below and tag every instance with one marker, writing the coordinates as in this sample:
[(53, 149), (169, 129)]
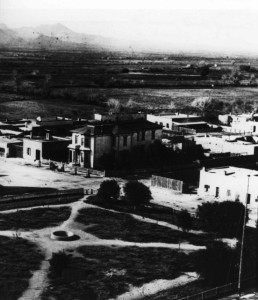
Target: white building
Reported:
[(229, 183), (169, 121), (234, 144), (244, 123)]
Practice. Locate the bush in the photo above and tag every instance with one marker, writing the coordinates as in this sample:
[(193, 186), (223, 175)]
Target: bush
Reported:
[(137, 193), (59, 262), (185, 220), (218, 264), (109, 191), (225, 217)]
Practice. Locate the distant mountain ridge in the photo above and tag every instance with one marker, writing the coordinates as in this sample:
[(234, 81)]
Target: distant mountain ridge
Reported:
[(53, 36)]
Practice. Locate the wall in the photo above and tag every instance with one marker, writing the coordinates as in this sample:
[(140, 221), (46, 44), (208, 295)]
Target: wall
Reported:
[(33, 145), (102, 144)]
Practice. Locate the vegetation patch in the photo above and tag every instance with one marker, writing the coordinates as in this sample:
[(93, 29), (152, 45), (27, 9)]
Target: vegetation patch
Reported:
[(111, 225), (18, 259), (36, 218), (110, 271)]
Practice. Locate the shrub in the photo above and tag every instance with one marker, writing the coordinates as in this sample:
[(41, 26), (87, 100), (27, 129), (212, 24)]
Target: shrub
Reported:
[(225, 217), (137, 193), (185, 220), (218, 264), (109, 191), (59, 262)]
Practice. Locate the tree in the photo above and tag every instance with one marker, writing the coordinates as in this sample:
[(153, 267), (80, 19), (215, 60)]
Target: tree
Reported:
[(218, 264), (109, 191), (185, 220), (114, 105), (137, 193), (225, 217), (59, 262)]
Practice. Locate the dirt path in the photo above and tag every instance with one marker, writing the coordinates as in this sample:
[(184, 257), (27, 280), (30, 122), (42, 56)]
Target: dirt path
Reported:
[(157, 286), (38, 282)]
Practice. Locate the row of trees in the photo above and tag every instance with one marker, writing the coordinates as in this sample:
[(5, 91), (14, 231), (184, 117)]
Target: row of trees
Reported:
[(135, 192)]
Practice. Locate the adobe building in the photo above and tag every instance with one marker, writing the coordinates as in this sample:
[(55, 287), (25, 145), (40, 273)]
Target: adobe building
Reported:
[(38, 148), (8, 146), (229, 183), (110, 134)]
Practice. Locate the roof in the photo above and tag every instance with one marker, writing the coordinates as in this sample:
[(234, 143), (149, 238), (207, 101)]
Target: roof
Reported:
[(233, 172), (117, 128)]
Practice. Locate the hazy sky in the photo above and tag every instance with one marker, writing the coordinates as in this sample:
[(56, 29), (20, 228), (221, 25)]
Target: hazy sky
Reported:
[(186, 25)]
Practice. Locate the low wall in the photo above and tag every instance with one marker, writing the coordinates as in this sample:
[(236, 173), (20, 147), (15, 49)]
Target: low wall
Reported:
[(44, 198), (168, 183)]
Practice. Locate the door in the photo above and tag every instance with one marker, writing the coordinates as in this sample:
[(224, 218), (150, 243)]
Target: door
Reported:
[(217, 192), (37, 154)]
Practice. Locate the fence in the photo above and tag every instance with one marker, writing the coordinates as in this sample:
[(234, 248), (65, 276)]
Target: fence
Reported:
[(44, 198), (168, 183), (221, 291)]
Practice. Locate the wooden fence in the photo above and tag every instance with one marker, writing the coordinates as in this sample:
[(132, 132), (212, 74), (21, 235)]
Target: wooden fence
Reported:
[(168, 183)]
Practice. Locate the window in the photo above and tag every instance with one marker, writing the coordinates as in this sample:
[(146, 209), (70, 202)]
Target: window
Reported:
[(228, 193), (87, 142), (138, 136), (153, 135), (76, 139), (206, 186), (125, 141), (28, 151), (254, 129), (143, 135), (217, 192), (82, 141), (167, 125), (82, 157), (161, 123)]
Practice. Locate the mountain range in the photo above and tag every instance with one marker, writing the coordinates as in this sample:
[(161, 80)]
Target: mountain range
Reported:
[(55, 37)]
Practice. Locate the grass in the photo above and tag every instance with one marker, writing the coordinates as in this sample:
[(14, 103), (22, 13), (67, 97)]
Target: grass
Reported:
[(109, 271), (152, 211), (111, 225), (18, 258), (36, 218)]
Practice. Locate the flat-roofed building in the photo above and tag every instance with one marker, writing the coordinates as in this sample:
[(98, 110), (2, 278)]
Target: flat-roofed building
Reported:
[(110, 135)]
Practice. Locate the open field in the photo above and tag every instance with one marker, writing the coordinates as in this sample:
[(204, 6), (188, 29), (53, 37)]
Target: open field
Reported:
[(18, 259), (109, 225), (110, 271), (145, 98), (36, 218)]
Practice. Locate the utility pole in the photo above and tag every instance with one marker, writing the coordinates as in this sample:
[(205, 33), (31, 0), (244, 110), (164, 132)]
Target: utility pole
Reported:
[(242, 242)]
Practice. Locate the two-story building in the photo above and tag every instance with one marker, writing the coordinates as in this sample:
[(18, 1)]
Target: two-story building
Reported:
[(110, 135)]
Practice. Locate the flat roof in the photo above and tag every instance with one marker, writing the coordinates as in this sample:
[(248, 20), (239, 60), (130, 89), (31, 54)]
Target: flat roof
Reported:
[(233, 171)]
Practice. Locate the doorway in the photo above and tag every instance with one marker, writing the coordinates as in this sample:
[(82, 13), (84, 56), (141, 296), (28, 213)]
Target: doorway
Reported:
[(37, 154)]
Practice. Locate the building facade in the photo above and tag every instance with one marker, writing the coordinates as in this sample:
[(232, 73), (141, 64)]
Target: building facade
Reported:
[(229, 183), (94, 140)]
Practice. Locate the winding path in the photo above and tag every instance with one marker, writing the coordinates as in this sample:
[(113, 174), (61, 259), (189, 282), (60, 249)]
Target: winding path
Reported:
[(38, 282)]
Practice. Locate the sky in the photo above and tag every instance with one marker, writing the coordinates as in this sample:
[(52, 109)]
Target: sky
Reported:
[(229, 26)]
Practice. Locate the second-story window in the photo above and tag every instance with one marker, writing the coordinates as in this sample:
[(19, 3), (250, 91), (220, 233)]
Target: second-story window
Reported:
[(143, 135), (138, 136), (82, 141), (76, 139), (125, 141), (153, 135)]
